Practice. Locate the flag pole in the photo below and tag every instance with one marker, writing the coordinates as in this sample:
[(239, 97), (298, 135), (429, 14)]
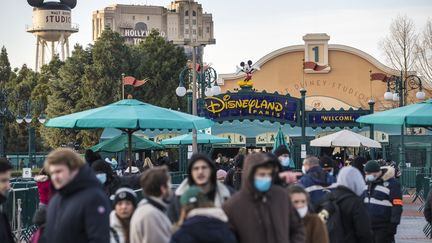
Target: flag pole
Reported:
[(122, 82)]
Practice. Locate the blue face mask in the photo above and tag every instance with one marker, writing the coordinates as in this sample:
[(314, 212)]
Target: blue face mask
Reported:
[(102, 177), (285, 162), (370, 178), (262, 184)]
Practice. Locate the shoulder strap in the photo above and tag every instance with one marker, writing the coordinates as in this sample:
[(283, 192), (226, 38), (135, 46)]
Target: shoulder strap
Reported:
[(115, 234), (155, 204)]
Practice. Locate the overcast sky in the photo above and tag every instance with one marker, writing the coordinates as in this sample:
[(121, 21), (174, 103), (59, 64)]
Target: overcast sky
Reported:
[(244, 29)]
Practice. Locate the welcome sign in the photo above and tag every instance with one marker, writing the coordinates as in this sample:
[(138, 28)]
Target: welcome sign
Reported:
[(334, 118), (254, 106)]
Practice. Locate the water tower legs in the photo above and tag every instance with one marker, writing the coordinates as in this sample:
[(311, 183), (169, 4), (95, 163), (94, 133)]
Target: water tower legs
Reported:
[(67, 46), (52, 50), (37, 53)]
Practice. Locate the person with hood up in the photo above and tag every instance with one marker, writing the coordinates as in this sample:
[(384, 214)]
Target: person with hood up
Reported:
[(347, 194), (315, 180), (315, 229), (201, 173), (110, 181), (383, 201), (79, 211), (261, 212), (124, 204), (200, 221), (91, 156)]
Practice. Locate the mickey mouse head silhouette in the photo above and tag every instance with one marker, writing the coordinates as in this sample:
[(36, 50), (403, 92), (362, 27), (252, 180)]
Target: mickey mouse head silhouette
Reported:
[(40, 3)]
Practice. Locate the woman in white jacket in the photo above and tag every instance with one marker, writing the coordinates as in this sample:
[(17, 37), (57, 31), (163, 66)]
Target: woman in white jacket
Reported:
[(125, 202)]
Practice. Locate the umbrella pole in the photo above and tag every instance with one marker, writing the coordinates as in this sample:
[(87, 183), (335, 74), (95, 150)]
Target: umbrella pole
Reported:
[(129, 132)]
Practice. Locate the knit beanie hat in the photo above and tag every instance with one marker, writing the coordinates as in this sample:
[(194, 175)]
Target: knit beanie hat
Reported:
[(281, 150), (221, 174), (125, 193), (372, 166), (100, 166), (193, 195)]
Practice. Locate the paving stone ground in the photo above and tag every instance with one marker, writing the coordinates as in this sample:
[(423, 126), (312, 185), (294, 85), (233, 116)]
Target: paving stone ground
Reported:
[(411, 228)]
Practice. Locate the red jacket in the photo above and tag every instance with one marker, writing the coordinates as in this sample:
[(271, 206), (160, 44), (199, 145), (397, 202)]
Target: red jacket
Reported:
[(44, 188)]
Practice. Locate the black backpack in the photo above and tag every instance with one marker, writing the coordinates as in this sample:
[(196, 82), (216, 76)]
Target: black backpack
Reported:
[(331, 213)]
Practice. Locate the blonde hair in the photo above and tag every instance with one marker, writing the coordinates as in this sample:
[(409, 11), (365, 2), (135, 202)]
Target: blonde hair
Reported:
[(64, 156), (186, 209), (148, 163)]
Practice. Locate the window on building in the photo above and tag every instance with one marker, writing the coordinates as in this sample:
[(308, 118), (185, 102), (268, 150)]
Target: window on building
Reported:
[(187, 32), (194, 21), (200, 31), (194, 13), (148, 17), (186, 13), (133, 17), (208, 30), (186, 21), (194, 32)]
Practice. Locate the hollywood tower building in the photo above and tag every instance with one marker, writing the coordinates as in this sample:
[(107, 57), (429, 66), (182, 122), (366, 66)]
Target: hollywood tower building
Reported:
[(181, 22)]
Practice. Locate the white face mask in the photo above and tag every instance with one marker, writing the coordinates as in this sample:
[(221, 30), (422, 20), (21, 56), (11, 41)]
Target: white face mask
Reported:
[(302, 211), (303, 169)]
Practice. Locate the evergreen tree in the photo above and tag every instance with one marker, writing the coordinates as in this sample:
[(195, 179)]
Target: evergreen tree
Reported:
[(5, 68), (161, 63), (65, 94), (103, 78)]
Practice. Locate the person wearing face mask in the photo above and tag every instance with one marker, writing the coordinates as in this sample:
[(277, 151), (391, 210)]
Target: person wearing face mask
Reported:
[(110, 181), (328, 166), (283, 154), (201, 173), (315, 229), (383, 201), (262, 212), (315, 180), (124, 204), (5, 175), (149, 222)]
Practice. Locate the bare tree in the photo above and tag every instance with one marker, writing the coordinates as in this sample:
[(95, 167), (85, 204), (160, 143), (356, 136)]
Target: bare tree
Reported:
[(424, 54), (400, 45)]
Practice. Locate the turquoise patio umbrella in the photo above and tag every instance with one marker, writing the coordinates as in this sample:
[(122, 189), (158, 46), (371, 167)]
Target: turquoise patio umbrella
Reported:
[(130, 115), (202, 138), (279, 140), (415, 115), (120, 143)]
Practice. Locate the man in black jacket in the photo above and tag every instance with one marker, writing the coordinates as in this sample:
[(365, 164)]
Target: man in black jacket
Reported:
[(383, 201), (79, 211), (5, 175)]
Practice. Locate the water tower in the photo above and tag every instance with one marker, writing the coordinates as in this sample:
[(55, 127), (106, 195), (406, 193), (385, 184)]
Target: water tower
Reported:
[(52, 26)]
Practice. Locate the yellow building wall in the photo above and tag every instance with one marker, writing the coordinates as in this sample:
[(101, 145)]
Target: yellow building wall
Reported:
[(348, 81)]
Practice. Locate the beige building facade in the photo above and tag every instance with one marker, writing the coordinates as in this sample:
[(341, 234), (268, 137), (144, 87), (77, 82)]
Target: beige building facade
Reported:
[(180, 22), (341, 78)]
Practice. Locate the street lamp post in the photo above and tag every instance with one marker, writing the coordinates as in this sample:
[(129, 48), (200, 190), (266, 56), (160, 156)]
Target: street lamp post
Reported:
[(31, 131), (371, 103), (190, 78), (397, 91)]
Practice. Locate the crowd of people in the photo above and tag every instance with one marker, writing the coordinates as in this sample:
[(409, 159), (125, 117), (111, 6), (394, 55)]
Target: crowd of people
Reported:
[(256, 199)]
